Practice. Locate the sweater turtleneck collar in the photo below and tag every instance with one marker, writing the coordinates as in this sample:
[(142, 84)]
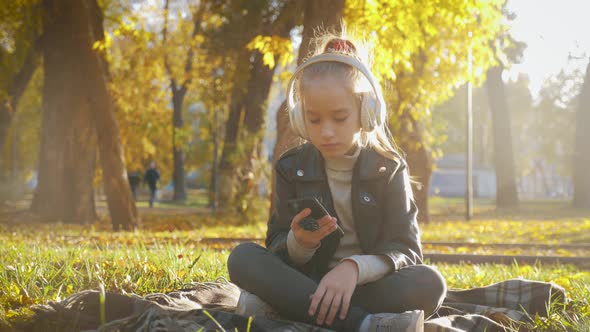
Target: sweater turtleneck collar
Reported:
[(344, 162)]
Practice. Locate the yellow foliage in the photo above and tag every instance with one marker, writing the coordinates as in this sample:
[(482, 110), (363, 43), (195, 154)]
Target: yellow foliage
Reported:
[(138, 86), (272, 47), (144, 63), (148, 146), (421, 48)]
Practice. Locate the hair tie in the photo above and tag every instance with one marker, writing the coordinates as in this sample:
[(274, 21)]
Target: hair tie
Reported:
[(340, 46)]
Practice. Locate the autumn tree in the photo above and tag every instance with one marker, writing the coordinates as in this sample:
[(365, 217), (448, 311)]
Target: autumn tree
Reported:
[(148, 53), (120, 203), (420, 53), (180, 79), (137, 78), (137, 55), (257, 50), (506, 195), (77, 113), (160, 68)]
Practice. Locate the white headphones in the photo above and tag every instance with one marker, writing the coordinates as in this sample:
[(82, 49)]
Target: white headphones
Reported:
[(372, 106)]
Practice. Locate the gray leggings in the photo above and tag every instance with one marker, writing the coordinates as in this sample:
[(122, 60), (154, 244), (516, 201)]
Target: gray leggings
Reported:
[(286, 289)]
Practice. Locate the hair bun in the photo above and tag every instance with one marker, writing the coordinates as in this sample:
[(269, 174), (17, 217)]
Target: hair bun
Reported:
[(338, 45)]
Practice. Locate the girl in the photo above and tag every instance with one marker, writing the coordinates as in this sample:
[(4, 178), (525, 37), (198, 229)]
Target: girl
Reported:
[(372, 278)]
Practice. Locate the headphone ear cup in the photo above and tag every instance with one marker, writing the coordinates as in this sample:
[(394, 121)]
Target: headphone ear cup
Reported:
[(370, 112), (297, 122)]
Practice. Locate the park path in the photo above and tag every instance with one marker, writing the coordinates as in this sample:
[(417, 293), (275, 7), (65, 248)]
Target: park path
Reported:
[(163, 210)]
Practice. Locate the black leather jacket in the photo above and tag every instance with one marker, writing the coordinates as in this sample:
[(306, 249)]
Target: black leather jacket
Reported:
[(382, 206)]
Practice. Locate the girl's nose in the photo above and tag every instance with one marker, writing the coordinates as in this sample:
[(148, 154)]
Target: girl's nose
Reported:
[(327, 131)]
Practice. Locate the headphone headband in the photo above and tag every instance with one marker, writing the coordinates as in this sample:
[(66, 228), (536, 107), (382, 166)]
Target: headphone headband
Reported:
[(332, 57)]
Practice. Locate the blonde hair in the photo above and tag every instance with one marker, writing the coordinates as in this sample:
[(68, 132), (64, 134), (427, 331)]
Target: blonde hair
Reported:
[(380, 137)]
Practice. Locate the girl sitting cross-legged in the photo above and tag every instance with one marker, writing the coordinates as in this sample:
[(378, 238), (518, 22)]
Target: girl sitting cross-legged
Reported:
[(371, 278)]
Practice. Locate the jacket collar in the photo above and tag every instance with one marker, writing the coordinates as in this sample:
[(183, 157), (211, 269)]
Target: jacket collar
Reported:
[(369, 164)]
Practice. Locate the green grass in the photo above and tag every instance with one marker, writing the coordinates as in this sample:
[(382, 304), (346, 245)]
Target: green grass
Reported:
[(55, 272), (443, 209), (50, 262), (574, 317), (35, 274), (559, 230)]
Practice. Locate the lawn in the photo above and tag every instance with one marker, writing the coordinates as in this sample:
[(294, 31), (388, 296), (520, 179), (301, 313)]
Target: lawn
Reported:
[(49, 262)]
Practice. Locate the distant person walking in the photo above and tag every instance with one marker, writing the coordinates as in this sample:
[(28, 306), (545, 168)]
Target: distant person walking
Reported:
[(151, 177)]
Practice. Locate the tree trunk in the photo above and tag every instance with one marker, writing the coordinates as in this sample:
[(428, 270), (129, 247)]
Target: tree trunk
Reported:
[(76, 106), (178, 153), (317, 14), (178, 93), (256, 100), (119, 198), (232, 126), (420, 163), (581, 177), (419, 160), (258, 89), (68, 143), (506, 195), (254, 111), (214, 184)]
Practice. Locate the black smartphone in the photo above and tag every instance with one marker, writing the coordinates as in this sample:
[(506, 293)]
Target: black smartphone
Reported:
[(310, 223)]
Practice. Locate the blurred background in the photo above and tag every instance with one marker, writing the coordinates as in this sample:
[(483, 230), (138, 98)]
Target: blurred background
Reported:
[(91, 92)]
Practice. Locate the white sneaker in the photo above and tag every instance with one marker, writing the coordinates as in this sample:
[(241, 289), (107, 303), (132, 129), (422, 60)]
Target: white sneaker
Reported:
[(251, 305), (409, 321)]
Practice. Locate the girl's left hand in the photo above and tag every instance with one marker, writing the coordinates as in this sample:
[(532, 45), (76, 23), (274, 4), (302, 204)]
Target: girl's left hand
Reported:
[(335, 288)]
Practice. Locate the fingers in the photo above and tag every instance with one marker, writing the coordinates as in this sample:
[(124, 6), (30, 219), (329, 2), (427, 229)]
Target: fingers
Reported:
[(299, 216), (326, 223), (326, 304), (334, 308), (327, 229), (325, 220), (331, 299), (345, 306), (316, 298)]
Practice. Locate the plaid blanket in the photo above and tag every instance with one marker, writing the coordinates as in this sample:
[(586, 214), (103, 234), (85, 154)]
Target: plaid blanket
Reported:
[(210, 307)]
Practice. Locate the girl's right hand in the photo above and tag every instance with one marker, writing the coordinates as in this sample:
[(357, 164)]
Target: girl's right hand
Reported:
[(327, 224)]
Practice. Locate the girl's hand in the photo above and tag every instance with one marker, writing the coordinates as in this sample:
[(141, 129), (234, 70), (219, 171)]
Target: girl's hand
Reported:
[(335, 288), (327, 225)]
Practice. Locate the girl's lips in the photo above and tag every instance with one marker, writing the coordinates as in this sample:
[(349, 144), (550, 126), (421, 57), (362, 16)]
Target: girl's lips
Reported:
[(330, 146)]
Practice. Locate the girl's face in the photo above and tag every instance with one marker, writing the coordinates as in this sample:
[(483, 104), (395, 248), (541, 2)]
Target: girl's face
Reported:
[(332, 115)]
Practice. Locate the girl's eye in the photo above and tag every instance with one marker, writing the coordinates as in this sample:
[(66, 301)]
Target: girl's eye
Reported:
[(314, 121), (340, 119)]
